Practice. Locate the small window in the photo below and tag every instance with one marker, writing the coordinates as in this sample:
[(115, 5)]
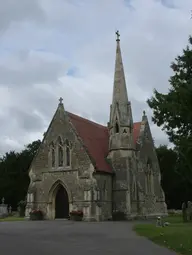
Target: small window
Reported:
[(149, 164), (60, 156), (104, 185), (68, 153), (98, 195), (67, 143), (52, 155), (60, 152), (124, 131), (116, 128)]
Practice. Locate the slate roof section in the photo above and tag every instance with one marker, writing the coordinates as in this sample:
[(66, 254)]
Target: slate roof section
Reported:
[(95, 138)]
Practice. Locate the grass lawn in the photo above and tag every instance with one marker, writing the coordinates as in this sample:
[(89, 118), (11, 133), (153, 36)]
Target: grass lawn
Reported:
[(12, 219), (177, 236)]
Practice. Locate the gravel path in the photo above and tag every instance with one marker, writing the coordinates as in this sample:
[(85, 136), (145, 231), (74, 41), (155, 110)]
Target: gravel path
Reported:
[(66, 237)]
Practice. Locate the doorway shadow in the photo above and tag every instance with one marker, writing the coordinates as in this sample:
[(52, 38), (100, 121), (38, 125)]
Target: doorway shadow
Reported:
[(61, 203)]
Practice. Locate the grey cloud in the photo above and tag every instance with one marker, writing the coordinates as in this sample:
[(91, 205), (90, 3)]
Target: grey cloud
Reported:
[(27, 121), (168, 3), (151, 37), (159, 137), (20, 121), (20, 10), (45, 102), (27, 68), (4, 147), (150, 42)]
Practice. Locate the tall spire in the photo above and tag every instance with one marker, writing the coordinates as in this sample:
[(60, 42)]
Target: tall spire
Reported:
[(120, 120), (119, 87)]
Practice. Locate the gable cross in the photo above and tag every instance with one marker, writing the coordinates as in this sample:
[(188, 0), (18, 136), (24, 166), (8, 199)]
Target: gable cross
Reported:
[(118, 35), (60, 100)]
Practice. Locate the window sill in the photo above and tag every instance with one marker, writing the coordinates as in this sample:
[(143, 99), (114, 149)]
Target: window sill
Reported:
[(60, 169)]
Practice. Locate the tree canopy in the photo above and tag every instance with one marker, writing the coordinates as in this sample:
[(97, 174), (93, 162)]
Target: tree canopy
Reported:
[(177, 189), (14, 179), (173, 111)]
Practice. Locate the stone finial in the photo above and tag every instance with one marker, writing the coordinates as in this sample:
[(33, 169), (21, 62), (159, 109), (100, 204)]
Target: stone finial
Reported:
[(3, 200), (60, 100), (118, 35), (144, 117)]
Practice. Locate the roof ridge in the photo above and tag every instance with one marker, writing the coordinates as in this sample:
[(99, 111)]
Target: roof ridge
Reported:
[(87, 120)]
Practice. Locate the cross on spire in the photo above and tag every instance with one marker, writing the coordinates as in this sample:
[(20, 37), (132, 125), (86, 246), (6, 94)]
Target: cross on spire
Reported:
[(60, 100), (118, 35), (119, 85)]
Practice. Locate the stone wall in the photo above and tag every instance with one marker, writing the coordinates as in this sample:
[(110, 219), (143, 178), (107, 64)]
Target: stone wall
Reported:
[(153, 203), (103, 200), (76, 178), (61, 127), (92, 195)]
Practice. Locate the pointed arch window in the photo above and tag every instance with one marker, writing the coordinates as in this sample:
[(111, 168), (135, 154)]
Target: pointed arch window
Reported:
[(52, 148), (60, 152), (68, 153), (124, 131), (149, 164), (116, 127)]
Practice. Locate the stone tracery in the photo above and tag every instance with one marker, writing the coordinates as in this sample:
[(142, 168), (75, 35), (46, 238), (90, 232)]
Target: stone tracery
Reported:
[(60, 153), (68, 153), (52, 154)]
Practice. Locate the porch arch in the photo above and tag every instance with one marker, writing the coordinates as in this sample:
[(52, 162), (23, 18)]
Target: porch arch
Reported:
[(59, 201)]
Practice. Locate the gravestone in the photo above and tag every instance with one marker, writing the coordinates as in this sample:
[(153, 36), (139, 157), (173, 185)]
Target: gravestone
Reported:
[(189, 209), (3, 209), (10, 210), (184, 212), (159, 222)]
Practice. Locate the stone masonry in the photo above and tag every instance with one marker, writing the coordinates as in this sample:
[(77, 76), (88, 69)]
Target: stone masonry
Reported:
[(102, 169)]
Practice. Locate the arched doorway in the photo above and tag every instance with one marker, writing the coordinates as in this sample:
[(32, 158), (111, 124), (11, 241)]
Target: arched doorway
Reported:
[(61, 203)]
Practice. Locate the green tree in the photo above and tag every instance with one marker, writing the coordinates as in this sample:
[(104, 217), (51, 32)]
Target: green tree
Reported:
[(14, 179), (173, 111), (173, 185)]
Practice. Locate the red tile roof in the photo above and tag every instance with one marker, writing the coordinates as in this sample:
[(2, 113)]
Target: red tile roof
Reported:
[(95, 138)]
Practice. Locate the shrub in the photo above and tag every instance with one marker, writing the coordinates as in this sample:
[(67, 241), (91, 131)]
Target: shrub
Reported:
[(76, 213), (36, 215)]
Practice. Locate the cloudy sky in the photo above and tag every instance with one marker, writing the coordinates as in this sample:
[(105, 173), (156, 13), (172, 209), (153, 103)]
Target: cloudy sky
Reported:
[(53, 48)]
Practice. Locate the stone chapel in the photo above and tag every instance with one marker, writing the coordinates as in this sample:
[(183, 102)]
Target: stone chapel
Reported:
[(82, 165)]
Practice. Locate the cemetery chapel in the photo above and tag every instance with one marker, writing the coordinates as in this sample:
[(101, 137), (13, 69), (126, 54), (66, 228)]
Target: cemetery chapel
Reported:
[(82, 165)]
